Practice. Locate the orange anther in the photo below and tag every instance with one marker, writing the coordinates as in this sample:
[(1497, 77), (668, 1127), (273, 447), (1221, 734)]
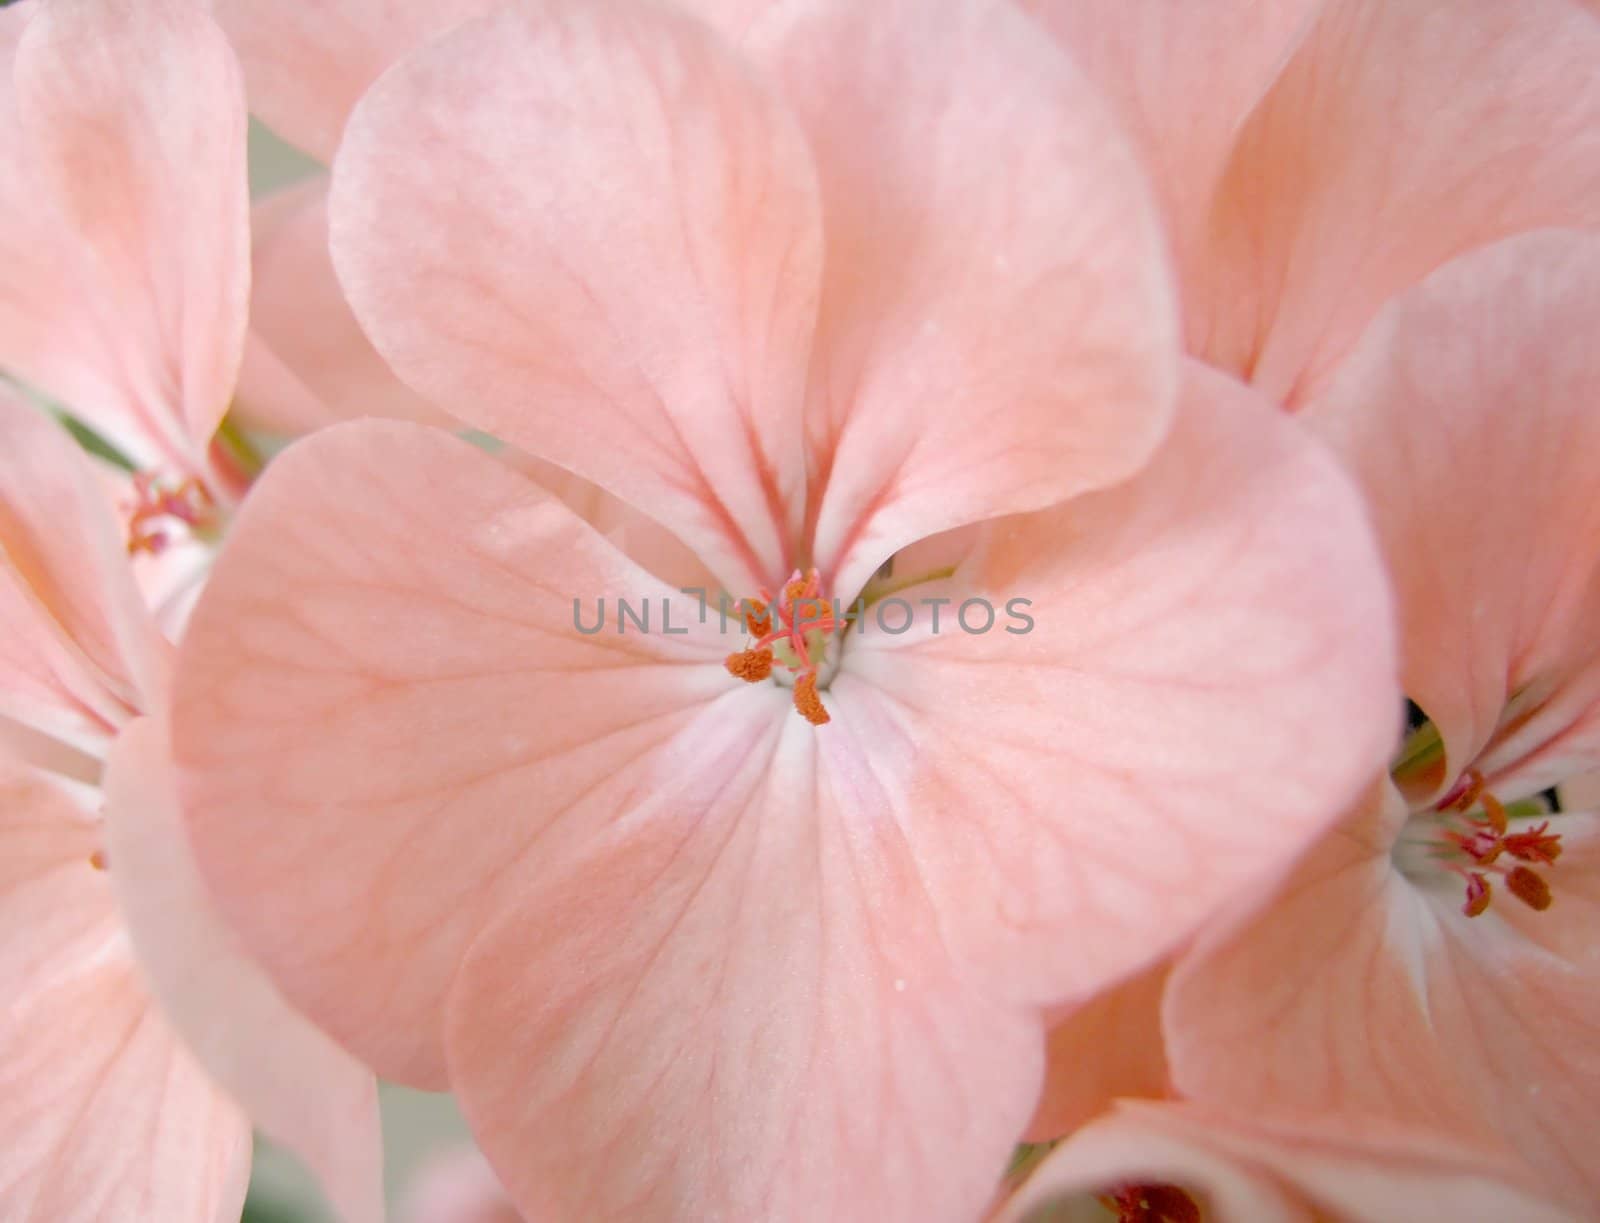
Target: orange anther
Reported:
[(807, 702), (752, 666), (1530, 888), (1478, 895)]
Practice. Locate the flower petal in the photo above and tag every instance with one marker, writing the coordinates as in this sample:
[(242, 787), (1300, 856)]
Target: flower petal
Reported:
[(384, 703), (299, 313), (998, 327), (104, 1116), (1110, 1046), (636, 304), (1360, 994), (1135, 756), (1402, 133), (1242, 1169), (1519, 1008), (56, 910), (1493, 556), (1183, 79), (308, 63), (78, 651), (738, 1007), (46, 336), (1320, 1002), (134, 113), (457, 1187), (297, 1086)]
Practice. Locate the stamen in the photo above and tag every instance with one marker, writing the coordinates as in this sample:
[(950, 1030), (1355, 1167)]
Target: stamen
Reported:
[(1529, 887), (1151, 1204), (159, 504), (757, 620), (99, 861), (752, 666), (791, 631), (1483, 838), (807, 702)]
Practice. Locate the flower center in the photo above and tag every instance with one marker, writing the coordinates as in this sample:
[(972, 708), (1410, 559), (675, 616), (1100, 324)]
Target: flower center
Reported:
[(790, 640), (1151, 1204), (1469, 834), (161, 507)]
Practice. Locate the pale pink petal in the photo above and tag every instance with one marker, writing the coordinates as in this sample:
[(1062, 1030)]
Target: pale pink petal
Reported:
[(47, 338), (104, 1116), (457, 1187), (636, 303), (1515, 997), (134, 113), (1321, 1002), (308, 62), (297, 1086), (299, 314), (1241, 1170), (1468, 416), (78, 652), (382, 675), (1137, 757), (738, 1005), (56, 909), (1402, 133), (1110, 1046), (1360, 993), (632, 532), (1183, 78), (997, 328)]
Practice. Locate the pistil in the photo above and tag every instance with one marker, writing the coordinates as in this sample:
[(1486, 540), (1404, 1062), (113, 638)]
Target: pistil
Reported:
[(790, 632)]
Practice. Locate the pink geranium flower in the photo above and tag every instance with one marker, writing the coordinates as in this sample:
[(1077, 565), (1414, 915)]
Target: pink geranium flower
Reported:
[(1314, 158), (1434, 960), (885, 286), (1170, 1163), (105, 1110)]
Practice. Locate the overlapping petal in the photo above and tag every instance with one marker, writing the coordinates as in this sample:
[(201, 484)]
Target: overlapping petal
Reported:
[(385, 706), (997, 328), (307, 64), (310, 364), (44, 336), (1322, 1004), (1109, 1047), (1183, 78), (56, 912), (143, 174), (1242, 1169), (1467, 415), (741, 1007), (297, 1086), (1082, 795), (79, 653), (1401, 134), (105, 1115), (637, 304)]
